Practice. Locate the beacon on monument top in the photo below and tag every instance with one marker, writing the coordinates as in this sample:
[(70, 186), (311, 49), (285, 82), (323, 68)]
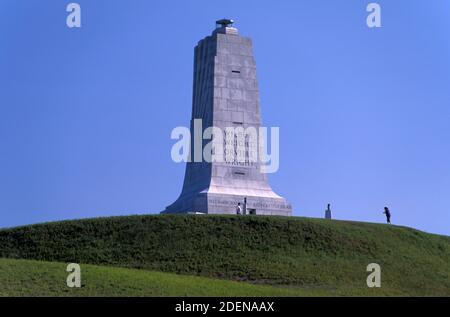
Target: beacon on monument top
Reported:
[(225, 26), (224, 23)]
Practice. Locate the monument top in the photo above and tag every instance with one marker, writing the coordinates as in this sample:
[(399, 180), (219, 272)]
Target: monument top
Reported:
[(224, 23), (225, 26)]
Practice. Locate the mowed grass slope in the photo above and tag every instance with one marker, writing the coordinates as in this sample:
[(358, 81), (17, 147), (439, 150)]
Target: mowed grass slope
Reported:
[(313, 255), (35, 278)]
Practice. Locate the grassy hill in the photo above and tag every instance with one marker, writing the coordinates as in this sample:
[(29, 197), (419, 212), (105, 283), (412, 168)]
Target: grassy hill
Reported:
[(34, 278), (304, 256)]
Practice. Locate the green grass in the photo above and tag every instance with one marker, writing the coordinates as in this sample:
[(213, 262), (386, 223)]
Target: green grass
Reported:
[(39, 278), (299, 255), (34, 278)]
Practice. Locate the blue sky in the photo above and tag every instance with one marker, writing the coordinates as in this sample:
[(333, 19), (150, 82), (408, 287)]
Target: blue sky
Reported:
[(86, 114)]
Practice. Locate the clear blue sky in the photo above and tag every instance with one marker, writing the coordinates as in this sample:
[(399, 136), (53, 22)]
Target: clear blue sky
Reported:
[(86, 114)]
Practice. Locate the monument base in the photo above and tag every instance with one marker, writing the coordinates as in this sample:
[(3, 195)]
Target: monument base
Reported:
[(211, 203)]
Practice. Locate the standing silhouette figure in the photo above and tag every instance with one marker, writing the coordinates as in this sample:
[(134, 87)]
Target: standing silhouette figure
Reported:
[(388, 214)]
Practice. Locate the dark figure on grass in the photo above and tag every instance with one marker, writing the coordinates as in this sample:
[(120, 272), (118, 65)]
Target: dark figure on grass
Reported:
[(388, 214)]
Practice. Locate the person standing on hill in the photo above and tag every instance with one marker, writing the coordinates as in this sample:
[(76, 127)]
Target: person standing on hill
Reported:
[(238, 209), (388, 214)]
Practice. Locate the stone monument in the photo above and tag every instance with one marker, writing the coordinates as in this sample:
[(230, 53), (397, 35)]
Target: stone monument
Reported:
[(225, 94)]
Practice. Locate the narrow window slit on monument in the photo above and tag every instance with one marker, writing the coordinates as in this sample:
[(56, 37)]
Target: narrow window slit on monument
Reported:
[(239, 173), (236, 122), (236, 71)]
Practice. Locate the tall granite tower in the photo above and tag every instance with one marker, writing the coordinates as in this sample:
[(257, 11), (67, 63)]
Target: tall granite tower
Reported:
[(225, 94)]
